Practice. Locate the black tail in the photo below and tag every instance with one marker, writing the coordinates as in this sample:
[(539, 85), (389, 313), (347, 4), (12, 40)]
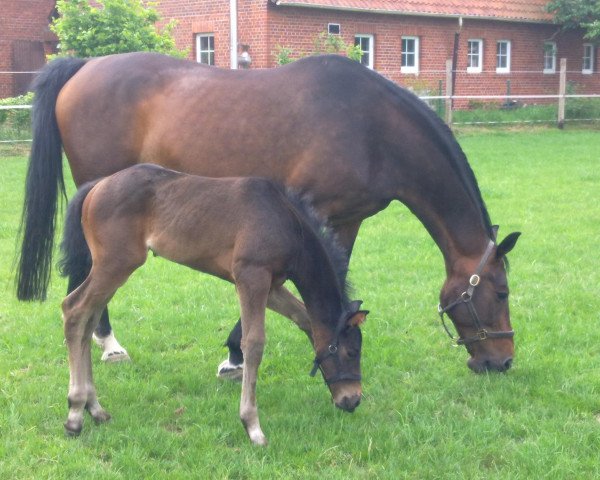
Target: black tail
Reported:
[(44, 181), (76, 260)]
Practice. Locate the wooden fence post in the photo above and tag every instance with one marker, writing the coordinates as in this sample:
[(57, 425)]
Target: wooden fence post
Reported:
[(449, 91), (562, 88)]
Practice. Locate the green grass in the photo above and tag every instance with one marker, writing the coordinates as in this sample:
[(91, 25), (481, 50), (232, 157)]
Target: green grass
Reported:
[(424, 415)]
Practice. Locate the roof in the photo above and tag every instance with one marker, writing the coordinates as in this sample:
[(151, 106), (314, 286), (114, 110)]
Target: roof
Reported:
[(506, 10)]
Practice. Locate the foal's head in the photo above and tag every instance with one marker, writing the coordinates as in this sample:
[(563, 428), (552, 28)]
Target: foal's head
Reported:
[(338, 357), (475, 297)]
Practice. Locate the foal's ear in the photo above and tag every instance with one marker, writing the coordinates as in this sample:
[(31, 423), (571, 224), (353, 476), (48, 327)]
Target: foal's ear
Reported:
[(358, 318), (354, 306), (507, 244)]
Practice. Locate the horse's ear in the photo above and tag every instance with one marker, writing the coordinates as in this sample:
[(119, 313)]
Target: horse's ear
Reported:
[(354, 306), (507, 244), (358, 318), (495, 229)]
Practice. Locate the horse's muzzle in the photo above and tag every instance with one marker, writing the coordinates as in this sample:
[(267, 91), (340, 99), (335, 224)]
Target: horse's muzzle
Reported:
[(348, 404), (481, 366)]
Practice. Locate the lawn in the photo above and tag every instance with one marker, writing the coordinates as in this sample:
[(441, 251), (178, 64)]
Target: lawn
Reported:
[(424, 415)]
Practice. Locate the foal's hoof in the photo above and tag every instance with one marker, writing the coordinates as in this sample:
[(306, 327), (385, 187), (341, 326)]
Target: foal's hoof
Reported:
[(73, 429), (100, 417), (229, 371)]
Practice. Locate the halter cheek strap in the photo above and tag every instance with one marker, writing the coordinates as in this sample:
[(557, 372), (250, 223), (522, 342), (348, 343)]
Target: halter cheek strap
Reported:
[(466, 297), (333, 351)]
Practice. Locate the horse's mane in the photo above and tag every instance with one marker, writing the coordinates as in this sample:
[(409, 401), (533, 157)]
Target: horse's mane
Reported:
[(420, 111), (327, 238)]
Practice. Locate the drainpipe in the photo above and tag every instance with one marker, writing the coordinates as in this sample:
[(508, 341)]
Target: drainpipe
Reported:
[(455, 55), (233, 33)]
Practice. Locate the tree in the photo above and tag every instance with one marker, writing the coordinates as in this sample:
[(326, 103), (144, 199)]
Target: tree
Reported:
[(115, 26), (578, 14)]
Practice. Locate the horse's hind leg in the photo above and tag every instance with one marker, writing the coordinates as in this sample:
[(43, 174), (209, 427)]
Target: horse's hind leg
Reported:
[(82, 310), (253, 285), (112, 351), (80, 318)]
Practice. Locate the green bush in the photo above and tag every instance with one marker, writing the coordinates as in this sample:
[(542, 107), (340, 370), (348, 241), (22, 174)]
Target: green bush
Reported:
[(16, 120)]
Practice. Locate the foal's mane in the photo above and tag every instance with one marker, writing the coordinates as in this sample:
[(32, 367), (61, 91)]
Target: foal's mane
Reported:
[(335, 252)]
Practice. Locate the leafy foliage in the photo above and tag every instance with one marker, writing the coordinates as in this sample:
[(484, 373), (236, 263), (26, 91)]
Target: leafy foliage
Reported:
[(323, 43), (116, 26), (16, 120), (578, 14)]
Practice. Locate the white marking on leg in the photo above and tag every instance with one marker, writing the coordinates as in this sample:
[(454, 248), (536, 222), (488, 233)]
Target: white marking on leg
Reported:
[(111, 348)]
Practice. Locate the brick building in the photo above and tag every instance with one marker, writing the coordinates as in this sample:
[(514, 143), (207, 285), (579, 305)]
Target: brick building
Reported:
[(24, 42), (408, 41)]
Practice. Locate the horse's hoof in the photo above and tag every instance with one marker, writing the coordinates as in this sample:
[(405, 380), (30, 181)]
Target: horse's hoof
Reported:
[(100, 417), (73, 429), (229, 371), (114, 357)]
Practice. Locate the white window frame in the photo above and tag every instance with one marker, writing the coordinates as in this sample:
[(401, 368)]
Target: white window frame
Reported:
[(336, 26), (588, 55), (479, 54), (371, 52), (209, 51), (410, 69), (505, 69), (552, 51)]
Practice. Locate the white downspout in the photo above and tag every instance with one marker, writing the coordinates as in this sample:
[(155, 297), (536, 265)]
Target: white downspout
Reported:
[(233, 33)]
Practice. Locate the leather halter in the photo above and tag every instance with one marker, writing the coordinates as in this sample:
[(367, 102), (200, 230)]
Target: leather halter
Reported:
[(332, 351), (466, 297)]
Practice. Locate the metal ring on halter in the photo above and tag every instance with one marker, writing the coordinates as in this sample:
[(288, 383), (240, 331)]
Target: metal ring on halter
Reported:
[(466, 297)]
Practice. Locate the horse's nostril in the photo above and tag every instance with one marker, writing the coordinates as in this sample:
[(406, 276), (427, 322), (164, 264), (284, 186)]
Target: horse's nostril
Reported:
[(508, 363)]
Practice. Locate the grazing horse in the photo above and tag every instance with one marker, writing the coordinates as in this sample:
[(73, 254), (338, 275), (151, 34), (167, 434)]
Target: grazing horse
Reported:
[(325, 126), (244, 230)]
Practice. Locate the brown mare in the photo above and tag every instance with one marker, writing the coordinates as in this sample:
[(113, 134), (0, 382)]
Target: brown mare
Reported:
[(244, 230), (326, 126)]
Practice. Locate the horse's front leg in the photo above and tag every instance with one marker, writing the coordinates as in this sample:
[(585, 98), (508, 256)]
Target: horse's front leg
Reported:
[(253, 286)]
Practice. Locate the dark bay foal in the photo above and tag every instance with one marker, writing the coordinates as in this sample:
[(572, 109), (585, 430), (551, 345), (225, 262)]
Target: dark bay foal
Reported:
[(248, 231)]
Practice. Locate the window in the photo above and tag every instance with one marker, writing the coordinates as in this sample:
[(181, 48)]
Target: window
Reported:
[(333, 29), (410, 55), (503, 56), (205, 48), (549, 57), (474, 56), (588, 58), (365, 42)]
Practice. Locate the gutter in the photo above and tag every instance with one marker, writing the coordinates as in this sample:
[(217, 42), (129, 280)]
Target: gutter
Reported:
[(233, 47), (455, 16)]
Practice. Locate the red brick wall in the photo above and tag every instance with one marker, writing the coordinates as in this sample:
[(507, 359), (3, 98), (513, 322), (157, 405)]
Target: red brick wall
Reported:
[(296, 27), (22, 21)]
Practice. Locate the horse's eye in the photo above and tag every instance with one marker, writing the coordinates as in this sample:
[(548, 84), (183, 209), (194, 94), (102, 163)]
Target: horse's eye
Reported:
[(502, 295), (352, 353)]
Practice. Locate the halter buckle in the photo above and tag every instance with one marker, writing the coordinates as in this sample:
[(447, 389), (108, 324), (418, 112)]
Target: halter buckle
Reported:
[(482, 334), (474, 280)]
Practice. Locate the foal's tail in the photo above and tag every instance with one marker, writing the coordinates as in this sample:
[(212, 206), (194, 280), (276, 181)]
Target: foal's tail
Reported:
[(76, 260), (44, 181)]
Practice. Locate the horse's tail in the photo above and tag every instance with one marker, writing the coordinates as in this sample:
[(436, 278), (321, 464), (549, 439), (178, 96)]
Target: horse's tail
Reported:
[(44, 180), (76, 260)]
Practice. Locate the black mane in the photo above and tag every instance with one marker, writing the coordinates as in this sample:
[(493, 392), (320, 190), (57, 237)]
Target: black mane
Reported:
[(420, 111), (335, 252)]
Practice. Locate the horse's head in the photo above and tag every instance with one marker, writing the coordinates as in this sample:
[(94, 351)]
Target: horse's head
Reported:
[(338, 358), (475, 297)]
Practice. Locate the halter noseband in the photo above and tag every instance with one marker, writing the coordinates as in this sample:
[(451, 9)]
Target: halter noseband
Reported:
[(466, 297), (332, 351)]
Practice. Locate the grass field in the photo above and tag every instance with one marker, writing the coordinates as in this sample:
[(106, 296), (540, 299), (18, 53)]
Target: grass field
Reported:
[(424, 415)]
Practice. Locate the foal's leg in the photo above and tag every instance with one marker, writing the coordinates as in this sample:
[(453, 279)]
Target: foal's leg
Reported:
[(112, 351), (253, 286), (81, 315), (281, 301), (231, 368)]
